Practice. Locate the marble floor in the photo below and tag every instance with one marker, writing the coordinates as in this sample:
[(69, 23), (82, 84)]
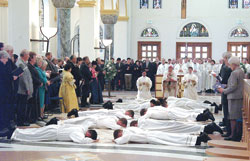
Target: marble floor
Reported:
[(105, 150)]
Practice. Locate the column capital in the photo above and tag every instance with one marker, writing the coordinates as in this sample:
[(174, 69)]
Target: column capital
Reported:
[(109, 18), (3, 3), (64, 4), (87, 3), (110, 12)]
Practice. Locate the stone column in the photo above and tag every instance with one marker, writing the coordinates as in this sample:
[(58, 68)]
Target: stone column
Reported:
[(109, 19), (4, 21), (88, 28), (63, 25)]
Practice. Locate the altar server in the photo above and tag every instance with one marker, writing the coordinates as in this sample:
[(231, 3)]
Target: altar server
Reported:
[(144, 85), (190, 82)]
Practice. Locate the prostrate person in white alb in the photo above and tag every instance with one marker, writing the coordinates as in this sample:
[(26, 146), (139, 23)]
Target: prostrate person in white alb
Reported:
[(169, 82), (137, 135), (120, 113), (190, 82), (144, 85), (94, 121), (75, 133), (171, 126), (163, 113)]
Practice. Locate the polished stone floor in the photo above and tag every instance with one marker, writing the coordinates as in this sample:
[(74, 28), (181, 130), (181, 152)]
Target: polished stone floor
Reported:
[(105, 150)]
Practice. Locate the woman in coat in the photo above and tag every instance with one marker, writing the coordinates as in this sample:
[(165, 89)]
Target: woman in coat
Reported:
[(67, 91), (234, 92), (95, 86), (41, 66)]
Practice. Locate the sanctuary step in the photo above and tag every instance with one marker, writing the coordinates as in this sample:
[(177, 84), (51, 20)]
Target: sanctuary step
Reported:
[(228, 144), (228, 153), (223, 159)]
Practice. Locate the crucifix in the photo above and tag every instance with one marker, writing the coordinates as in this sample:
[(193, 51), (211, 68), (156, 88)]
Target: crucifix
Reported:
[(183, 9)]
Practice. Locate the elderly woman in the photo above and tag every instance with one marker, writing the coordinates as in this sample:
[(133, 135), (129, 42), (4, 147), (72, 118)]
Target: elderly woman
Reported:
[(5, 91), (41, 67), (234, 92), (67, 90)]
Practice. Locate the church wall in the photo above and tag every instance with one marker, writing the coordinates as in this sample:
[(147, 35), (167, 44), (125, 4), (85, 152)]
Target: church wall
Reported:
[(214, 14), (4, 24), (121, 33)]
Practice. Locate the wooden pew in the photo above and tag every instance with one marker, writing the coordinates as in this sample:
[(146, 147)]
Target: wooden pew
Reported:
[(237, 150)]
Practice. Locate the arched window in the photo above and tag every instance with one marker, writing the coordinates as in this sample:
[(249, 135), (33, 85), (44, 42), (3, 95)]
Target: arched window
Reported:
[(194, 29), (149, 32), (239, 32)]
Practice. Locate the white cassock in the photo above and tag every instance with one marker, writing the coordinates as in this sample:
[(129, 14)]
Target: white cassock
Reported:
[(208, 76), (188, 104), (137, 135), (73, 133), (144, 85), (120, 113), (94, 121), (190, 82), (170, 126), (163, 113), (161, 69), (178, 68), (202, 83), (198, 74), (212, 79), (169, 87)]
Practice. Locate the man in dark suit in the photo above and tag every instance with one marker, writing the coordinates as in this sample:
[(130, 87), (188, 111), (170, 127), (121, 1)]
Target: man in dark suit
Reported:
[(33, 105), (150, 68), (101, 72), (75, 72), (86, 76), (128, 69), (119, 75)]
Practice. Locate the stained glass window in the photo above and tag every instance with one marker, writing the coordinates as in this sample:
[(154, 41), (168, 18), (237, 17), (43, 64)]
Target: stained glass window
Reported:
[(194, 29), (157, 4), (233, 3), (239, 32), (246, 4), (143, 4), (149, 32)]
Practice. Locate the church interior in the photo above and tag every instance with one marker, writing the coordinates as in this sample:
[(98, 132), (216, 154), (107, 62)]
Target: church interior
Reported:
[(128, 80)]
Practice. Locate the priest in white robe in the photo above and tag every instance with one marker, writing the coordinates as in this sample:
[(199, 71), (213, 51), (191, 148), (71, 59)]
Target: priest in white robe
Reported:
[(75, 133), (161, 68), (197, 72), (144, 85), (137, 135), (202, 81), (171, 126), (169, 82), (178, 114), (190, 82)]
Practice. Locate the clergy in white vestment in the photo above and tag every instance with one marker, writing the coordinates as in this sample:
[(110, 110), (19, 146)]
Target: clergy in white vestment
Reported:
[(120, 113), (202, 81), (169, 82), (144, 85), (97, 121), (178, 114), (137, 135), (190, 82), (213, 70), (161, 67), (75, 133), (171, 126), (180, 68), (197, 72)]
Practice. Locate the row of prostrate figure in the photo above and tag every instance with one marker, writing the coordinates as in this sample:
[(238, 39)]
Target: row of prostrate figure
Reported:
[(172, 121)]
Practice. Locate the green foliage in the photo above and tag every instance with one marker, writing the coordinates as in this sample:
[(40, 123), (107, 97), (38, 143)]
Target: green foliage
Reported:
[(110, 69)]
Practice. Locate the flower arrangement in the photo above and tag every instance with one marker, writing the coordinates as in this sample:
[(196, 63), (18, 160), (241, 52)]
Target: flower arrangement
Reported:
[(243, 67), (110, 69)]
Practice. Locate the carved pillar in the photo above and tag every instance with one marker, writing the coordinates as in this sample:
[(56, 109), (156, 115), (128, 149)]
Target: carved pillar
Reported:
[(109, 19), (4, 21), (183, 9), (63, 25)]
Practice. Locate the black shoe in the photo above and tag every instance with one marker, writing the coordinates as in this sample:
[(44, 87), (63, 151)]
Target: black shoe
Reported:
[(119, 100), (73, 112), (228, 138), (206, 110), (214, 104), (220, 107), (26, 124), (202, 138), (10, 133), (108, 105), (53, 121), (207, 102), (209, 115), (4, 132), (225, 135), (210, 128), (201, 117), (221, 124)]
